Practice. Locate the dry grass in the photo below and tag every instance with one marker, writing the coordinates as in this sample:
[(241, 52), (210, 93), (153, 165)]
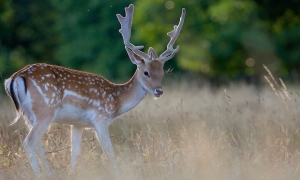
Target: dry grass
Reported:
[(190, 133)]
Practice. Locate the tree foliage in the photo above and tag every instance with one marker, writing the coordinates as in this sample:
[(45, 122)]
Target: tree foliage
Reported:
[(89, 37), (228, 38), (27, 34), (220, 38)]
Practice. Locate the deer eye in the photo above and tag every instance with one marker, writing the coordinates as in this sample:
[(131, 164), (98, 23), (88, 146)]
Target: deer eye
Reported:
[(146, 73)]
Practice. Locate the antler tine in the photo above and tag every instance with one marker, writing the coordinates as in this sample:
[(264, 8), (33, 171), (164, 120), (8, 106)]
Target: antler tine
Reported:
[(126, 23), (170, 52)]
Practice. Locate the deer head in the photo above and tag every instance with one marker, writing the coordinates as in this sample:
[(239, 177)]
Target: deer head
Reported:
[(150, 66)]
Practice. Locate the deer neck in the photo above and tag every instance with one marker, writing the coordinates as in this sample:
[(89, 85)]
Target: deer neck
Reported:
[(130, 95)]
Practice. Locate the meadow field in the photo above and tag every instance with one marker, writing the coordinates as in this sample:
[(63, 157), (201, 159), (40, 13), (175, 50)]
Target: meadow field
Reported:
[(237, 132)]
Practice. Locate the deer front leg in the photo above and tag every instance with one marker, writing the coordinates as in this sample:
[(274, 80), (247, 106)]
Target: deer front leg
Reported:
[(76, 135), (104, 139)]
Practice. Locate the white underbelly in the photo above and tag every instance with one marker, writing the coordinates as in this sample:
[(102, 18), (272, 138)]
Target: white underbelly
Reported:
[(69, 114)]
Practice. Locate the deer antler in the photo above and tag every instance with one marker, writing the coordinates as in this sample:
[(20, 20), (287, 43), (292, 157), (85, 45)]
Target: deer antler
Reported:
[(126, 23), (170, 52)]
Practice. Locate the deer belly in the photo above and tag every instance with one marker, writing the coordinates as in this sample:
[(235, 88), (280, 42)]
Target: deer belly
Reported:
[(70, 114)]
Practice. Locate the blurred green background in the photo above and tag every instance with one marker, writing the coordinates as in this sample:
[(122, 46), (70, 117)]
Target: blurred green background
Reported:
[(220, 40)]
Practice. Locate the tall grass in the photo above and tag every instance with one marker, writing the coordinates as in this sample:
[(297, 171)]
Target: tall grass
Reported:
[(192, 132)]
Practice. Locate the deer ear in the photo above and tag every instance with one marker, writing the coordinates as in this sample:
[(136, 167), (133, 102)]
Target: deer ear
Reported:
[(152, 53), (134, 58)]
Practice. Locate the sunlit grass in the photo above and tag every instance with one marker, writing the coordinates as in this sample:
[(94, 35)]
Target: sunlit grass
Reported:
[(192, 132)]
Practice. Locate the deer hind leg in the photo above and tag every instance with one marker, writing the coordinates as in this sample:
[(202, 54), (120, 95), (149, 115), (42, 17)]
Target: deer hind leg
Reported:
[(30, 119), (24, 99), (33, 145), (76, 135), (39, 150), (32, 142), (41, 153)]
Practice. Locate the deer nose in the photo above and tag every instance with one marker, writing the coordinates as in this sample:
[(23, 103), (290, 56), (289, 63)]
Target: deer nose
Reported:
[(159, 91)]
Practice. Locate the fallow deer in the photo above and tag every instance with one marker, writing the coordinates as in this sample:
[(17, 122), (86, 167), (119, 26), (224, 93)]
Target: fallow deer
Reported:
[(46, 94)]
